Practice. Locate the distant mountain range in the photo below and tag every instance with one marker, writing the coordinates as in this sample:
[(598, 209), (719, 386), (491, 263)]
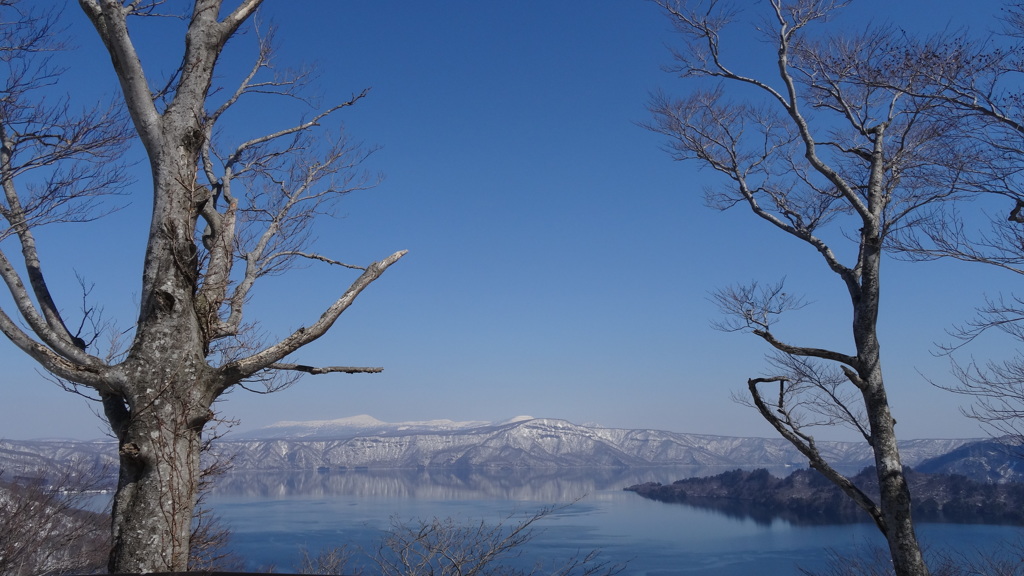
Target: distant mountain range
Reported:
[(362, 425), (519, 443), (525, 442), (988, 461)]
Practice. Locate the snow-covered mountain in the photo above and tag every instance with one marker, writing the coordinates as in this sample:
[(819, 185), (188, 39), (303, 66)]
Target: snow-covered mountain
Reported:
[(520, 443), (526, 443), (362, 425), (342, 427)]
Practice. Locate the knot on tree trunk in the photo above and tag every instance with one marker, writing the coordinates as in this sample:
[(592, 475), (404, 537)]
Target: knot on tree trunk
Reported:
[(163, 302), (130, 451), (193, 140)]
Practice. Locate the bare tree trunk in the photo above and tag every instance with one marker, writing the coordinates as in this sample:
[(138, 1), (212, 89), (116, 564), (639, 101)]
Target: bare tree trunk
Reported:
[(160, 420), (894, 494), (156, 493)]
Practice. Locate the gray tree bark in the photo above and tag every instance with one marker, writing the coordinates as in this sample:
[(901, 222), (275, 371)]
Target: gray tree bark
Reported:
[(894, 495)]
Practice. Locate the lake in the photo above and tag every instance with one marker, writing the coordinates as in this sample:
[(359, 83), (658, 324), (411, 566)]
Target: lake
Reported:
[(274, 515)]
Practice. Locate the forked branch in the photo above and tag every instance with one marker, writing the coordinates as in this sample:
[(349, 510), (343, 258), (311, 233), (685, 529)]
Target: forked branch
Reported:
[(780, 417), (236, 371)]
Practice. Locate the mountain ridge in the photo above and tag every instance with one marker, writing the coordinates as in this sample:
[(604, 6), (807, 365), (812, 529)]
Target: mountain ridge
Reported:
[(518, 443), (533, 443), (362, 424)]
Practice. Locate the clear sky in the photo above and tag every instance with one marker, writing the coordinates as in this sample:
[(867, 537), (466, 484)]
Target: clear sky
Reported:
[(559, 262)]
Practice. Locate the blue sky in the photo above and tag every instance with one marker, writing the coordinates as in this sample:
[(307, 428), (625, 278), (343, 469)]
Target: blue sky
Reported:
[(559, 262)]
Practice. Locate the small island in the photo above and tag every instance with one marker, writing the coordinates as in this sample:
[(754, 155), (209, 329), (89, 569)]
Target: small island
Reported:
[(806, 497)]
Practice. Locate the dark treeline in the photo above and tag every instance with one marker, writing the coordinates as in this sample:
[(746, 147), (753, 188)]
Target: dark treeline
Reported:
[(806, 497)]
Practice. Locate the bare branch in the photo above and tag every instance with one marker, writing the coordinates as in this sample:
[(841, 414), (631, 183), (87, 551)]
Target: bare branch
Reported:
[(235, 371), (824, 354), (109, 19), (55, 165), (46, 526), (447, 547), (325, 369), (239, 15), (753, 306), (274, 225), (779, 417), (315, 121), (286, 254)]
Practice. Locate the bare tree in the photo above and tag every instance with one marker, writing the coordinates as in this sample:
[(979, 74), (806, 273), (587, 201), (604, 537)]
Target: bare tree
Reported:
[(330, 561), (837, 163), (46, 526), (52, 521), (224, 215), (448, 547)]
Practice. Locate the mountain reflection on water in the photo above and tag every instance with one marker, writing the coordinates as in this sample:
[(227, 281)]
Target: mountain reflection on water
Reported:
[(537, 485)]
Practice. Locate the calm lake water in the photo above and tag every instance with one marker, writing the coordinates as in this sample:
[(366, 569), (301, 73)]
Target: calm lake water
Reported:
[(274, 515)]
